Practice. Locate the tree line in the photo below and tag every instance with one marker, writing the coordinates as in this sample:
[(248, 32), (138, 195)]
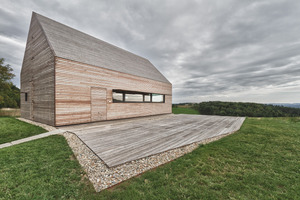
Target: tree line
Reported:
[(244, 109), (9, 93)]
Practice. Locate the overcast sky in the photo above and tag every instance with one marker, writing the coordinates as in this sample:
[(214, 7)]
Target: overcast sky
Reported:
[(228, 50)]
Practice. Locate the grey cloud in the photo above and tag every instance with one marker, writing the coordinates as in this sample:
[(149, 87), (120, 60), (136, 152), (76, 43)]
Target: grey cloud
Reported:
[(208, 49)]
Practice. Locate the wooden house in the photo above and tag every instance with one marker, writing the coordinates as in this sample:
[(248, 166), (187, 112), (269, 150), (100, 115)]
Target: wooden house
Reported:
[(69, 77)]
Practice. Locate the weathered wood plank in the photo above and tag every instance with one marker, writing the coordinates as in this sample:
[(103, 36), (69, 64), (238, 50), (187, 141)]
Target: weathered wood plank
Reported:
[(116, 142), (98, 104), (74, 80), (37, 77)]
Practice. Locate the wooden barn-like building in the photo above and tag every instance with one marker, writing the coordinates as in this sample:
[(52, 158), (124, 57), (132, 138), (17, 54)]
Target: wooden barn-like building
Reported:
[(69, 77)]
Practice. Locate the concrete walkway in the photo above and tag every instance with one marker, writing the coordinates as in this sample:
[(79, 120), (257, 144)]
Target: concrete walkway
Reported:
[(35, 137)]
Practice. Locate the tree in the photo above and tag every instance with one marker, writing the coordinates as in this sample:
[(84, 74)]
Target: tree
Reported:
[(9, 93), (245, 109), (5, 72)]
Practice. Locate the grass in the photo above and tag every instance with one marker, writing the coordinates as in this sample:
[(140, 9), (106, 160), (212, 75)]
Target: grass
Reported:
[(40, 169), (184, 110), (12, 129), (260, 161)]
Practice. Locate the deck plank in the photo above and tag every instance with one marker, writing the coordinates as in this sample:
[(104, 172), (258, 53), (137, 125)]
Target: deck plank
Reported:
[(117, 143)]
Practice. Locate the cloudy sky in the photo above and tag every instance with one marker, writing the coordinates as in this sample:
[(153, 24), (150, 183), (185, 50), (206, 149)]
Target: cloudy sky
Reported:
[(228, 50)]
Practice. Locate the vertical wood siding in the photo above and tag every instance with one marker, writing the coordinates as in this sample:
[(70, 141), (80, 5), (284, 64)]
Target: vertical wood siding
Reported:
[(37, 77), (73, 85)]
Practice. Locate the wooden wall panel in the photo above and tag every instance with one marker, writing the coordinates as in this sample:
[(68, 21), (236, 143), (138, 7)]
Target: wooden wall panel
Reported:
[(127, 110), (73, 103), (98, 104), (73, 83), (37, 77)]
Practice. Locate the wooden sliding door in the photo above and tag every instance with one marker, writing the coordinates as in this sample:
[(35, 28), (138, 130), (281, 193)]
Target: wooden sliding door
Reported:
[(98, 104)]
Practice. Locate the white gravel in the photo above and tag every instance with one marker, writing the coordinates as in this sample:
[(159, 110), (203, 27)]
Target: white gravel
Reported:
[(103, 177)]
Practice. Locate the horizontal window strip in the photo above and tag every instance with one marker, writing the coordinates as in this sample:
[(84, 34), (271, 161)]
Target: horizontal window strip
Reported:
[(123, 96)]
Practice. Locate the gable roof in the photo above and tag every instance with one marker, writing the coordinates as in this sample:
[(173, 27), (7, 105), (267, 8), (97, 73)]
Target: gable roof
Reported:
[(75, 45)]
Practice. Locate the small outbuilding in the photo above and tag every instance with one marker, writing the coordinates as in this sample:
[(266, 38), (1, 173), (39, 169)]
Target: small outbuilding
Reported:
[(69, 77)]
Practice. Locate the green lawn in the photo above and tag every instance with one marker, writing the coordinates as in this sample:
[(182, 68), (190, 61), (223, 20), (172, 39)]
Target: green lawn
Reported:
[(40, 169), (12, 129), (261, 161), (182, 110)]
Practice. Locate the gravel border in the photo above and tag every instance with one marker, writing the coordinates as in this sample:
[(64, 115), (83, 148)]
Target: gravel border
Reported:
[(103, 177)]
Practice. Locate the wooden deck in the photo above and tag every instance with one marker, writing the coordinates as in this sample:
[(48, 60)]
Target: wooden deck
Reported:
[(118, 142)]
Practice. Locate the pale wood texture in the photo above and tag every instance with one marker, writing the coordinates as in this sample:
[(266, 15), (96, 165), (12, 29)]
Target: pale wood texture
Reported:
[(98, 104), (118, 142), (74, 81), (37, 77), (75, 45), (60, 90)]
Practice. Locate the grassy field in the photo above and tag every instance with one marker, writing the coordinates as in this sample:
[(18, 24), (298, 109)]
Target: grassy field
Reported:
[(12, 129), (184, 110), (260, 161), (40, 169)]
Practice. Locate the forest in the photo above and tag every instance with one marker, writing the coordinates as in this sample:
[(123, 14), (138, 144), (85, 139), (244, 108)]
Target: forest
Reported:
[(244, 109)]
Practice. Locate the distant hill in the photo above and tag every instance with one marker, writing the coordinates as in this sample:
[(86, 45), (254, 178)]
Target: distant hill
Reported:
[(290, 105), (245, 109)]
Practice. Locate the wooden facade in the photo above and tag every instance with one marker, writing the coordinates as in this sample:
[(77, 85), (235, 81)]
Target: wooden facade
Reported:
[(37, 77), (63, 90)]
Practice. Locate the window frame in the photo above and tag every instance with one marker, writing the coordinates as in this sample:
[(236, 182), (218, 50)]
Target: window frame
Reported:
[(163, 96), (118, 101), (124, 98), (123, 92)]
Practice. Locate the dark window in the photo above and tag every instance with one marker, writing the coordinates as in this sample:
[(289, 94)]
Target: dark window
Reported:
[(133, 97), (147, 97), (158, 98), (26, 96), (136, 97), (118, 97)]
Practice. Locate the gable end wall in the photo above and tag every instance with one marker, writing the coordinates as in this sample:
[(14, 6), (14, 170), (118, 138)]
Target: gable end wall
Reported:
[(37, 77)]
